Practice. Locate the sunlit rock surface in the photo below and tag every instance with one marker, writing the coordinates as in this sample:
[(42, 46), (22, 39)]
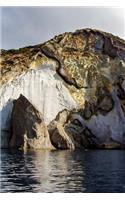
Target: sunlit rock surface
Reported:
[(83, 70), (41, 87)]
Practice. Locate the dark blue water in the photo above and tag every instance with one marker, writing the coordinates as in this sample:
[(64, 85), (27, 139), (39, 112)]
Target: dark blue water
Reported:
[(63, 171)]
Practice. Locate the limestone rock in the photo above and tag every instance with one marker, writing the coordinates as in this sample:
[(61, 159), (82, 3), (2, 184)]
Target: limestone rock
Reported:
[(43, 88), (82, 136), (28, 128), (83, 70), (58, 136), (68, 131)]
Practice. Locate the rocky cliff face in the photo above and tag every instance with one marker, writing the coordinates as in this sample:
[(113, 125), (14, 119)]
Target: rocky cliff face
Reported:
[(77, 82)]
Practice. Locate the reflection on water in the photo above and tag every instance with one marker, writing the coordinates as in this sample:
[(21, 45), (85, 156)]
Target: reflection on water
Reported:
[(63, 171)]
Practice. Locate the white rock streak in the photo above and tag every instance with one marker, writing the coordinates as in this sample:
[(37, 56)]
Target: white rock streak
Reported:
[(110, 126), (43, 88)]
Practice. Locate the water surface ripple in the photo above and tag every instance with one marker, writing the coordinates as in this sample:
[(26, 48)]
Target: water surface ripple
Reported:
[(63, 171)]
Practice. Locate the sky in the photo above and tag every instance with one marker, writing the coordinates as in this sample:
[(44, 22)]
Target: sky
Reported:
[(23, 26)]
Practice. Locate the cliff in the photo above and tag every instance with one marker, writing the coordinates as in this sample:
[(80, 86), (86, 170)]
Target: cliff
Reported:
[(80, 76)]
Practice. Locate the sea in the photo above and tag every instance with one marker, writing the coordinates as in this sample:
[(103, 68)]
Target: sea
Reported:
[(62, 171)]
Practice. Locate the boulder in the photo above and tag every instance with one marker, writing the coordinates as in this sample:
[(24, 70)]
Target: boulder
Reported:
[(28, 128), (58, 136)]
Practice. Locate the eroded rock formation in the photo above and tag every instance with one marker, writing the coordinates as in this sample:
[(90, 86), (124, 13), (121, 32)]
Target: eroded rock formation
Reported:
[(58, 136), (85, 71), (28, 128), (70, 130)]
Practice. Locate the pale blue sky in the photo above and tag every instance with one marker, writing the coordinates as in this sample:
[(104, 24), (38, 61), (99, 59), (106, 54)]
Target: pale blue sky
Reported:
[(23, 26)]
